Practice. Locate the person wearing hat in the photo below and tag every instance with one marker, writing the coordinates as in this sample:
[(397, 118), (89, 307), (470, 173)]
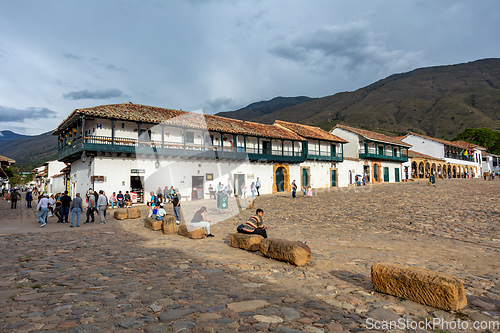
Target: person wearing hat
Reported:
[(200, 220), (42, 209), (161, 212)]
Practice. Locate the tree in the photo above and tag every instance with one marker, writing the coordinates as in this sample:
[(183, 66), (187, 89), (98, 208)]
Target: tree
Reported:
[(483, 137), (14, 178)]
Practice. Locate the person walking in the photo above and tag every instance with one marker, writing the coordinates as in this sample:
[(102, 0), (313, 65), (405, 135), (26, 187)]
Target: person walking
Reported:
[(102, 202), (14, 196), (29, 199), (176, 202), (252, 189), (42, 209), (90, 206), (243, 191), (76, 208), (294, 189), (65, 205), (257, 186)]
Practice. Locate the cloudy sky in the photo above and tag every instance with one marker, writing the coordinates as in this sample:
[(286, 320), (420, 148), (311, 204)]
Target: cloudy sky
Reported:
[(220, 55)]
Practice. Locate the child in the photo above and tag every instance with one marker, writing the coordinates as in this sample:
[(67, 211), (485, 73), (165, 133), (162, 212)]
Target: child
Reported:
[(309, 192), (161, 212)]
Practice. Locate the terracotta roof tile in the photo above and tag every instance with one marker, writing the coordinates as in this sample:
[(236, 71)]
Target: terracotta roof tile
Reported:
[(373, 135), (156, 115), (309, 132), (412, 153), (6, 159), (458, 144)]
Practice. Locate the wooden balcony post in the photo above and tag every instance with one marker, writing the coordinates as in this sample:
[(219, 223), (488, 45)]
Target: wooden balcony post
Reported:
[(138, 134), (112, 133), (162, 136), (282, 147)]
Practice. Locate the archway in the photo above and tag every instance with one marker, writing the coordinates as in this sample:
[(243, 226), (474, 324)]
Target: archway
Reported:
[(439, 173), (433, 170), (414, 170), (449, 170), (421, 170), (427, 170), (454, 172)]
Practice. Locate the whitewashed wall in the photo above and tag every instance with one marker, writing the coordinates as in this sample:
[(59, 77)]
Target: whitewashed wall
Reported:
[(425, 146)]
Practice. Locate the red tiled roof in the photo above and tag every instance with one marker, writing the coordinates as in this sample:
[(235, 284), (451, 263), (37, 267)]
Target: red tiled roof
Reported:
[(412, 153), (310, 132), (6, 159), (156, 115), (373, 135), (458, 144)]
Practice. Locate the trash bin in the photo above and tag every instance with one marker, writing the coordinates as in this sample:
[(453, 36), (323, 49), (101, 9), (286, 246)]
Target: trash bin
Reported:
[(432, 179), (222, 201)]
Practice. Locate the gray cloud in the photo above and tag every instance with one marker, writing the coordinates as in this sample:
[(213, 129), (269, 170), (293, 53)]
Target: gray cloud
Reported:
[(97, 94), (220, 104), (72, 56), (9, 114), (350, 46)]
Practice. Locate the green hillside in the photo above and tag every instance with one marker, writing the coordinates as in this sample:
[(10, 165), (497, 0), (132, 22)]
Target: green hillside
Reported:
[(438, 101)]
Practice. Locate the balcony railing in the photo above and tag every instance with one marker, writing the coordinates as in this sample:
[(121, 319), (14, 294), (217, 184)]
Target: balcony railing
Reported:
[(315, 154), (375, 153), (459, 157), (72, 150)]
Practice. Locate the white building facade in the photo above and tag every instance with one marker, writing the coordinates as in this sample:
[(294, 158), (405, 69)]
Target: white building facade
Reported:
[(453, 159), (373, 156), (137, 148)]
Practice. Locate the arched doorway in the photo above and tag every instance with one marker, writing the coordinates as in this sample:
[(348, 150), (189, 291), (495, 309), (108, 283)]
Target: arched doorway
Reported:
[(439, 174), (454, 172), (433, 170), (449, 171), (427, 170), (421, 170), (445, 174), (414, 170), (280, 179)]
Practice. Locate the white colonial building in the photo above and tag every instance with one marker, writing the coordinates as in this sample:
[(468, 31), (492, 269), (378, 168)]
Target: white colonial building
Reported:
[(375, 156), (491, 163), (137, 148), (444, 159)]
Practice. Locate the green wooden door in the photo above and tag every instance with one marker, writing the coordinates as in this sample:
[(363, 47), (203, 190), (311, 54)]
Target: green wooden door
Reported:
[(305, 178), (396, 174), (386, 174), (280, 180), (334, 178)]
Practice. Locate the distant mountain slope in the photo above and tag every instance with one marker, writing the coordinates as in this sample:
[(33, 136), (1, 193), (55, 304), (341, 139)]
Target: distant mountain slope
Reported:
[(30, 151), (258, 109), (9, 135), (438, 101)]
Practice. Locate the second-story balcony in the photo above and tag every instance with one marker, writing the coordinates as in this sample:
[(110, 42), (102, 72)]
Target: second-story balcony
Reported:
[(382, 154), (469, 158), (72, 150), (331, 156)]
